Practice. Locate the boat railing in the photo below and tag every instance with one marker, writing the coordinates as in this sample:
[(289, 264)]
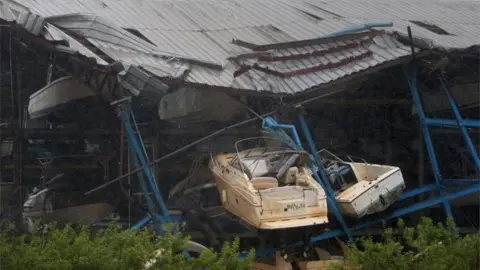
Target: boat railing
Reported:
[(331, 154), (349, 157), (358, 158), (260, 151)]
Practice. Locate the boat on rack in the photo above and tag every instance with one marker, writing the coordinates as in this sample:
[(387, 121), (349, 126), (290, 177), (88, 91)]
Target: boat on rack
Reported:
[(362, 188), (269, 187), (62, 203), (56, 95), (272, 188)]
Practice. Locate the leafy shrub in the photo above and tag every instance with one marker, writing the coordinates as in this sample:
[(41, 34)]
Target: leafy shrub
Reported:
[(112, 248), (427, 246)]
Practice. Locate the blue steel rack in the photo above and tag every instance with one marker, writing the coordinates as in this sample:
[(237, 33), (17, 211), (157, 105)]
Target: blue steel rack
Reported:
[(469, 186), (140, 159), (135, 142)]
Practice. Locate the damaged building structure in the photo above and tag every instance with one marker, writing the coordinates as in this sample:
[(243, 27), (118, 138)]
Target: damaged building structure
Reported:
[(184, 70)]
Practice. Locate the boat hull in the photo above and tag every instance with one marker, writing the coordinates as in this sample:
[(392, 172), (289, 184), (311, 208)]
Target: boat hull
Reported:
[(370, 197), (82, 215), (269, 208), (56, 95)]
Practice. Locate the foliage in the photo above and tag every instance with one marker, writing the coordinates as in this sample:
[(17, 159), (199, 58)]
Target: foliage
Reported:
[(427, 246), (113, 248)]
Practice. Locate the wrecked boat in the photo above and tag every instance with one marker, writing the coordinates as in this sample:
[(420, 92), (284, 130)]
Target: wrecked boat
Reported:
[(56, 95), (61, 202), (272, 187), (362, 188), (269, 187)]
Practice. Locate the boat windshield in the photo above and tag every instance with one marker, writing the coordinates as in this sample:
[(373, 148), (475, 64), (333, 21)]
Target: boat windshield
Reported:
[(265, 156)]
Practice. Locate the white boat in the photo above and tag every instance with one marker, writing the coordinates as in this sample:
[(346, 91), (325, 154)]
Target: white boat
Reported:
[(57, 94), (58, 202), (363, 188), (188, 105), (269, 187)]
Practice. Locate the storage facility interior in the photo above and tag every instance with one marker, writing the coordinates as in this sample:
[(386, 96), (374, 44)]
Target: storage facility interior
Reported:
[(94, 98)]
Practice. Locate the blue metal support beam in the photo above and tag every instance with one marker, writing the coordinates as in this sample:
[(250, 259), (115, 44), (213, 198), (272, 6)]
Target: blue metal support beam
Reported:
[(460, 181), (150, 204), (270, 123), (141, 223), (322, 179), (412, 83), (448, 123), (135, 142), (144, 163), (461, 125), (415, 192)]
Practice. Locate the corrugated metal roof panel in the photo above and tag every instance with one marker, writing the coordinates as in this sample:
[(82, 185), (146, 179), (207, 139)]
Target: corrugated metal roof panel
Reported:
[(54, 34), (204, 29), (459, 18), (383, 48)]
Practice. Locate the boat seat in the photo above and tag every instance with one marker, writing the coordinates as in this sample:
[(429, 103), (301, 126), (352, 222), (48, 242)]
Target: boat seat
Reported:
[(285, 166), (340, 170), (302, 159), (337, 173), (259, 183)]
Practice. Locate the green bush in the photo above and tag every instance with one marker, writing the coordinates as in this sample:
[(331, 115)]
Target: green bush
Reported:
[(427, 246), (112, 248)]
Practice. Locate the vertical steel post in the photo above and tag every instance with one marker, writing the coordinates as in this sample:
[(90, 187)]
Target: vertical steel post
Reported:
[(461, 126), (322, 179), (412, 83), (150, 177), (143, 185)]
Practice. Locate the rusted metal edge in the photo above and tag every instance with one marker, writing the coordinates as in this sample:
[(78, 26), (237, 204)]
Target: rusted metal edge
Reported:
[(315, 53), (241, 71), (300, 94), (305, 70), (317, 41), (329, 65), (248, 56), (244, 44)]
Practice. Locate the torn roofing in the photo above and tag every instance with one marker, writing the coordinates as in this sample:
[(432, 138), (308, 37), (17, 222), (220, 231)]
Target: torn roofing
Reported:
[(196, 35)]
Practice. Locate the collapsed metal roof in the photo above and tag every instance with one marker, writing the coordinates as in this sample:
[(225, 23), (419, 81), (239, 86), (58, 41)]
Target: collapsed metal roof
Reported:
[(192, 40)]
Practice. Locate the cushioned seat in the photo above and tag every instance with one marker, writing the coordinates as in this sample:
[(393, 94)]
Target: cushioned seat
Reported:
[(264, 182)]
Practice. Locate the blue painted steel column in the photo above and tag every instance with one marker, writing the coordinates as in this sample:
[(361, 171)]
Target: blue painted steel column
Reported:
[(462, 127), (144, 163), (267, 122), (412, 83), (151, 206), (322, 178), (141, 223)]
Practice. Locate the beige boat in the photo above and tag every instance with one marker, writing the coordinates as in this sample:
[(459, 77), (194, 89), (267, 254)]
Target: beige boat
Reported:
[(269, 187)]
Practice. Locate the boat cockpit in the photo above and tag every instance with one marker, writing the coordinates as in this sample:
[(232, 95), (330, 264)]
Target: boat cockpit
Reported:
[(272, 166)]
